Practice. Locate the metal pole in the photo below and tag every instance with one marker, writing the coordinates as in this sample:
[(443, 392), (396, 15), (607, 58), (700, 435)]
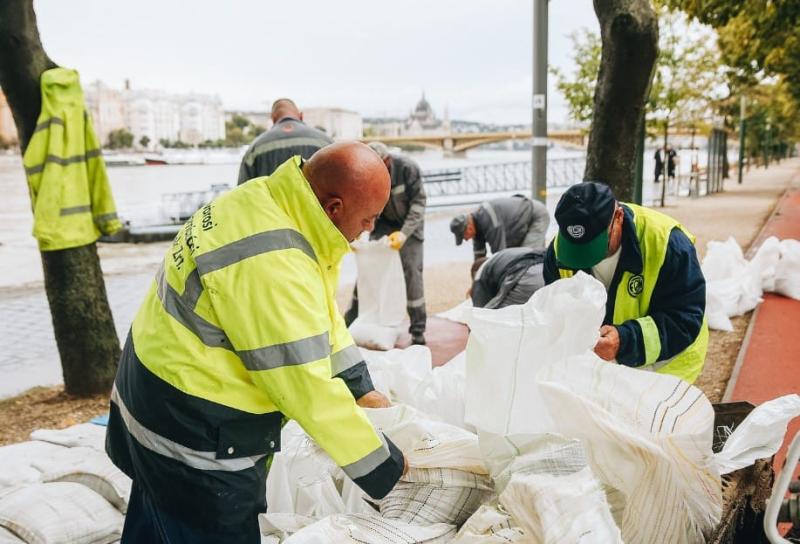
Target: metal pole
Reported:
[(539, 170), (637, 185), (741, 138)]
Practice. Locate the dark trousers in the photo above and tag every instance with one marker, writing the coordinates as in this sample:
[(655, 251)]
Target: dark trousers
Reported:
[(411, 257), (146, 523)]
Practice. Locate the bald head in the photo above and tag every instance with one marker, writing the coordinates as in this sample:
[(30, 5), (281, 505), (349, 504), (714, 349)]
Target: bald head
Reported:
[(284, 107), (352, 184)]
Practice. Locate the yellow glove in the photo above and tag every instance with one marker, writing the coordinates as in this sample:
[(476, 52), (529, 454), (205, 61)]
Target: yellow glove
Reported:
[(396, 240)]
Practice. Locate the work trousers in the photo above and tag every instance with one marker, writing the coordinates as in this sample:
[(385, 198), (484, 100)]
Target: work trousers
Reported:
[(146, 523), (535, 237), (411, 255)]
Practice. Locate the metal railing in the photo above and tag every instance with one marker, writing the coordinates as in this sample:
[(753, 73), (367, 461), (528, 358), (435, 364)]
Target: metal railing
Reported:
[(500, 177)]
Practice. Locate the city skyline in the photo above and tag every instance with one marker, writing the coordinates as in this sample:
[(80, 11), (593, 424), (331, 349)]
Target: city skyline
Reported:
[(473, 59)]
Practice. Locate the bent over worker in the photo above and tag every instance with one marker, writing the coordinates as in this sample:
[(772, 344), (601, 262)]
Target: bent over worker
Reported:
[(655, 312), (289, 136), (510, 276), (515, 221), (403, 221), (238, 333)]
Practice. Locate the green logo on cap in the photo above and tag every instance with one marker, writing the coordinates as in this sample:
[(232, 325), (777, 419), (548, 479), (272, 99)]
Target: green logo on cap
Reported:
[(635, 285)]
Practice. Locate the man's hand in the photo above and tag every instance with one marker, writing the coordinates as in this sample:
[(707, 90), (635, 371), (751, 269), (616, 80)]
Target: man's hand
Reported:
[(405, 464), (374, 399), (396, 240), (608, 345)]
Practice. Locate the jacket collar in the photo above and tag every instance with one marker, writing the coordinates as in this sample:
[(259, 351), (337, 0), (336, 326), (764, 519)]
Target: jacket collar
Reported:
[(631, 257), (292, 192)]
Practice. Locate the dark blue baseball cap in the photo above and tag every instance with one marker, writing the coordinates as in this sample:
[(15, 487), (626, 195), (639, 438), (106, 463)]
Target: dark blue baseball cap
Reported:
[(583, 215)]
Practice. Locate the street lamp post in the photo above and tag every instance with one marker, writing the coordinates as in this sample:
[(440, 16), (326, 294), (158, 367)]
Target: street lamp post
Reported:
[(741, 138), (539, 158)]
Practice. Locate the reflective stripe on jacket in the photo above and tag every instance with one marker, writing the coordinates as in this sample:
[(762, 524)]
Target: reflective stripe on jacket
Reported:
[(69, 189), (239, 330), (652, 243)]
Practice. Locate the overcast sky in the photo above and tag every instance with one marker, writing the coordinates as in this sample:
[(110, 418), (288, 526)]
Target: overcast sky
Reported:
[(472, 56)]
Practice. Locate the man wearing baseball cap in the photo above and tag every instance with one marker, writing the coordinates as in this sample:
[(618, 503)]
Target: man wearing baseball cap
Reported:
[(514, 221), (655, 312)]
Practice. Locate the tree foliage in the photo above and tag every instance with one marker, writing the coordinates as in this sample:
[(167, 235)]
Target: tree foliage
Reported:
[(578, 89), (688, 79), (120, 138), (756, 37)]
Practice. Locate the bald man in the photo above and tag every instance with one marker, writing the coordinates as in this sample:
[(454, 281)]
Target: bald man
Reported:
[(289, 136), (238, 333)]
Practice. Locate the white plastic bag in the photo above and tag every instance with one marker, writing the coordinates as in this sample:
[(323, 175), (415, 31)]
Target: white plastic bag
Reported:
[(760, 435), (370, 529), (408, 376), (765, 262), (555, 509), (507, 348), (787, 272), (381, 295), (647, 436), (733, 285)]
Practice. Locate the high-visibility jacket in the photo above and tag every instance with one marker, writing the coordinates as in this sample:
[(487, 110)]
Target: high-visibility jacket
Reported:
[(634, 294), (240, 330), (70, 193)]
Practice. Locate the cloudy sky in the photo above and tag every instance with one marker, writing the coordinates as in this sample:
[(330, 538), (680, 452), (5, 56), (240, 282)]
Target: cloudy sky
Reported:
[(472, 56)]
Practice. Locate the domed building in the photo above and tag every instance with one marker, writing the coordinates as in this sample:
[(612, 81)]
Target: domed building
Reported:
[(422, 119)]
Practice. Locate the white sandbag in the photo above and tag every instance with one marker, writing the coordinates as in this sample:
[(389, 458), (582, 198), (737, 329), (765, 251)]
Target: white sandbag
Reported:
[(427, 443), (7, 537), (458, 313), (86, 435), (733, 286), (760, 435), (648, 436), (764, 263), (301, 479), (370, 529), (490, 524), (91, 468), (17, 462), (507, 348), (60, 513), (555, 509), (441, 495), (787, 271), (408, 376), (544, 453), (381, 295), (276, 528)]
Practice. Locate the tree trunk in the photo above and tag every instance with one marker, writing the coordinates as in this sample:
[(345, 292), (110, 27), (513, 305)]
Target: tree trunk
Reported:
[(629, 32), (84, 328)]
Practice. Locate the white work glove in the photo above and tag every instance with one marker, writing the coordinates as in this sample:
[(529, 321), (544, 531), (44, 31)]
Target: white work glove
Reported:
[(396, 240)]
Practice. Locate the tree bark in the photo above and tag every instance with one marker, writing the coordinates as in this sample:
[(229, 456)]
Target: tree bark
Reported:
[(82, 321), (629, 32)]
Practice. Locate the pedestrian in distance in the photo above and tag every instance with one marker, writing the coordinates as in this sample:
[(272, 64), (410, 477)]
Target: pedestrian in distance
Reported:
[(659, 165)]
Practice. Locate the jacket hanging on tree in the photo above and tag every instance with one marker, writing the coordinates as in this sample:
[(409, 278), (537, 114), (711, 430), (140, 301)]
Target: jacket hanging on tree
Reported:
[(70, 194)]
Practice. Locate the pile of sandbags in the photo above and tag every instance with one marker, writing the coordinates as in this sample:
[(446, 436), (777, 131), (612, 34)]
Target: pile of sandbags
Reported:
[(310, 499), (61, 487), (734, 285)]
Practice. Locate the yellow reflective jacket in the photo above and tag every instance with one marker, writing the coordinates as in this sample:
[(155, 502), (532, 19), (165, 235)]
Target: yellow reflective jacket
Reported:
[(239, 330), (635, 290), (70, 193)]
